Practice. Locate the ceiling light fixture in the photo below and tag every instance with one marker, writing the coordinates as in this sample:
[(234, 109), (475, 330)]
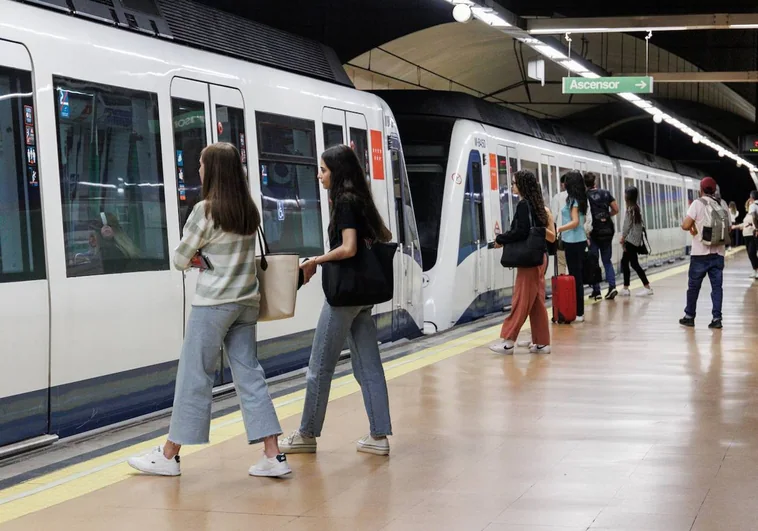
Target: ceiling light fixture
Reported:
[(489, 16), (462, 13)]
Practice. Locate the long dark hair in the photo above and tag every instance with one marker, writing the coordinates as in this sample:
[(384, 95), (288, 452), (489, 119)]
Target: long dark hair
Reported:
[(348, 183), (226, 192), (576, 190), (529, 189), (631, 197)]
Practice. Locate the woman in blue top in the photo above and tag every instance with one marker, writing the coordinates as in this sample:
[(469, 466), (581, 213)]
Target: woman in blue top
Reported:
[(573, 235)]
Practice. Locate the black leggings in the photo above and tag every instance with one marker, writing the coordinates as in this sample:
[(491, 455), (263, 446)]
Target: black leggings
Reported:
[(752, 250), (630, 258), (575, 262)]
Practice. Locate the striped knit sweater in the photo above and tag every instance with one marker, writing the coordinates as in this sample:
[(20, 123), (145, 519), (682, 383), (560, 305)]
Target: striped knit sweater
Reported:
[(232, 257)]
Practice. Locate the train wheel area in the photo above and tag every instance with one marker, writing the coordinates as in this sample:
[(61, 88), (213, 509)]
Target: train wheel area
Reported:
[(633, 422)]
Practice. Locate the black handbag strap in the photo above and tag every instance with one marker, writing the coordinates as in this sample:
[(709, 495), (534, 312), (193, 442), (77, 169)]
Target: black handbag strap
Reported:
[(645, 239), (264, 248)]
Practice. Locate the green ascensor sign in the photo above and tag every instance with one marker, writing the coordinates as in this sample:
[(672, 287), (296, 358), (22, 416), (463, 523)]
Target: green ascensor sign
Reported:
[(608, 85)]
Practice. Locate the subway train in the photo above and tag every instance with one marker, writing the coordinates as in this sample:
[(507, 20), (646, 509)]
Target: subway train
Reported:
[(461, 153), (104, 108)]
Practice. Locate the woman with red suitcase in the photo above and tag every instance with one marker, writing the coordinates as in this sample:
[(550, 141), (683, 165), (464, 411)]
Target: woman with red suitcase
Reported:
[(529, 290)]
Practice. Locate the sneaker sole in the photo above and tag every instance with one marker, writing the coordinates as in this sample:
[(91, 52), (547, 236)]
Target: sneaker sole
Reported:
[(374, 450), (297, 449), (269, 473), (152, 472)]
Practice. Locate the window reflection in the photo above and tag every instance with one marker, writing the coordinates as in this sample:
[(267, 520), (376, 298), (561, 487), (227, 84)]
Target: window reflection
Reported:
[(112, 190)]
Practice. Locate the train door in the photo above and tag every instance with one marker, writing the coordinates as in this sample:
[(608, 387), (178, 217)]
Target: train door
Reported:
[(202, 114), (24, 302), (507, 166)]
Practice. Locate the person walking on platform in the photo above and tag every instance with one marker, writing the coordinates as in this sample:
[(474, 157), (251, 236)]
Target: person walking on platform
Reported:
[(708, 221), (529, 290), (632, 241), (573, 234), (748, 227), (603, 207), (556, 204), (733, 215), (353, 218), (219, 239)]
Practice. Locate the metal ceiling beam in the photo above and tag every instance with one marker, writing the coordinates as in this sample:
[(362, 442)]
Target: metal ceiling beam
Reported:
[(717, 21), (751, 76)]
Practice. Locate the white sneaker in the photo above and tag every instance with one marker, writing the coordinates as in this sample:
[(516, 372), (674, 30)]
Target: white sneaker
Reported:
[(625, 293), (505, 347), (540, 349), (156, 464), (369, 445), (296, 443), (756, 275), (524, 344), (645, 292), (271, 467), (579, 319)]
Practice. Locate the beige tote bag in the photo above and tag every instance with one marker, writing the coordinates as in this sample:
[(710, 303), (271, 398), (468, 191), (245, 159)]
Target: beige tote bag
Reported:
[(277, 282)]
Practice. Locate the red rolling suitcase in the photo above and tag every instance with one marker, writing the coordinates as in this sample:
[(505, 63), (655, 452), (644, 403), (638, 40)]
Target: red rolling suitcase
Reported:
[(564, 297)]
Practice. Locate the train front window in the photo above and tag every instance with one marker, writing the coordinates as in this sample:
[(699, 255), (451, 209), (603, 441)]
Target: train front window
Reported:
[(22, 253), (114, 218)]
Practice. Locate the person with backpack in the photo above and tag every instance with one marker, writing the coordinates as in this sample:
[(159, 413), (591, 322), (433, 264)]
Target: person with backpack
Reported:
[(603, 207), (708, 221)]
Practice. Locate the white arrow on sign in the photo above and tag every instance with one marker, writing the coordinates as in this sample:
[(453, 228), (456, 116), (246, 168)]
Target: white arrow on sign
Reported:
[(641, 85)]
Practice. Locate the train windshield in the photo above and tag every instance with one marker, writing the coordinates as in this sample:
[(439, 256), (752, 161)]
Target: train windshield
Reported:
[(426, 142)]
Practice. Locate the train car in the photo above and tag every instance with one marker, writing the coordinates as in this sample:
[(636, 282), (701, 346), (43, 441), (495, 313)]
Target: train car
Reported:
[(461, 154), (104, 109)]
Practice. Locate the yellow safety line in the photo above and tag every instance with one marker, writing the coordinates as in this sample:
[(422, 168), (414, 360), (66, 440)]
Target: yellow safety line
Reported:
[(82, 478)]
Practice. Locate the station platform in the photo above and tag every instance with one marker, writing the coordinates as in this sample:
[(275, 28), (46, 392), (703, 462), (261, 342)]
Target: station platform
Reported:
[(632, 423)]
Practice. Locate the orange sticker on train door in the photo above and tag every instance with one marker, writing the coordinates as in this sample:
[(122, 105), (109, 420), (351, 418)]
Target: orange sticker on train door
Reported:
[(377, 155), (493, 172)]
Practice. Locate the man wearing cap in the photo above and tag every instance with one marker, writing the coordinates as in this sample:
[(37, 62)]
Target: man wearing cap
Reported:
[(705, 259)]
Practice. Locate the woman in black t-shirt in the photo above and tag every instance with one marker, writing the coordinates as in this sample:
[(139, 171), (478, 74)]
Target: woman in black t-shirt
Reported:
[(353, 218)]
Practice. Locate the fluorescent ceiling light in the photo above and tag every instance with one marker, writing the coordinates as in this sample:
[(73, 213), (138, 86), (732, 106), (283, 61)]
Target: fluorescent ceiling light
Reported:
[(642, 104), (743, 26), (591, 75), (488, 16), (652, 110), (549, 51), (574, 66), (557, 31), (628, 96)]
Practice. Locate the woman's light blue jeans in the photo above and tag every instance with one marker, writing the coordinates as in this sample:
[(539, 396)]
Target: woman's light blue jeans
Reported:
[(208, 328), (335, 325)]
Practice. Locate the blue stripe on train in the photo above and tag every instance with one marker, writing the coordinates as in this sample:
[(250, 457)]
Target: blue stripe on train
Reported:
[(89, 404)]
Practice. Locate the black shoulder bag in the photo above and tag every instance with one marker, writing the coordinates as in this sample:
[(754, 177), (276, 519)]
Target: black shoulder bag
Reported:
[(363, 280), (529, 252)]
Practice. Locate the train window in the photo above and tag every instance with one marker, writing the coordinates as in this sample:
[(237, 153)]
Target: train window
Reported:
[(359, 143), (545, 183), (563, 171), (22, 250), (289, 184), (114, 218), (231, 128), (505, 169), (189, 140), (333, 135), (406, 219), (472, 220)]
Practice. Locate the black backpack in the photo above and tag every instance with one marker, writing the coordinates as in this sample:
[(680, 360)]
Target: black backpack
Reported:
[(602, 224)]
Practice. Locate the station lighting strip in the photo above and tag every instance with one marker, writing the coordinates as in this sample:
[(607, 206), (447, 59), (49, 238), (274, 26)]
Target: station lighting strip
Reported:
[(464, 10)]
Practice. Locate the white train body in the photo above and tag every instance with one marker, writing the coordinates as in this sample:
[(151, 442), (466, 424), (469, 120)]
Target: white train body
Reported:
[(114, 123), (461, 171)]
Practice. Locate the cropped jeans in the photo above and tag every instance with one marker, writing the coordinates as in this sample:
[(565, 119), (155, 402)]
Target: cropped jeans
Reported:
[(208, 328), (356, 325)]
